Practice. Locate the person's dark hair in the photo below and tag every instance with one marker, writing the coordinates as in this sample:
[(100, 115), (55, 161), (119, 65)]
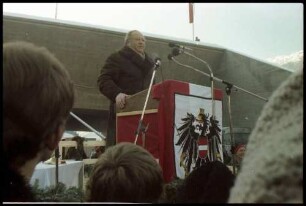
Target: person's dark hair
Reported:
[(125, 173), (210, 183), (170, 190), (76, 153), (37, 95)]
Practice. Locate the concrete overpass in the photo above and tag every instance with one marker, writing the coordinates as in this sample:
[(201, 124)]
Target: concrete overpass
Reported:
[(84, 48)]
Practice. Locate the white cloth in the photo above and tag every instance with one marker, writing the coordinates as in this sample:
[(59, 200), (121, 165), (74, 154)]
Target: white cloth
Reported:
[(272, 169), (69, 174)]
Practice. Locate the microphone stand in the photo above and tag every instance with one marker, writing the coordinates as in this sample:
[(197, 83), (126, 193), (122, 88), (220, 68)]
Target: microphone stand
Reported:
[(141, 127), (213, 141), (228, 91), (56, 165), (220, 80)]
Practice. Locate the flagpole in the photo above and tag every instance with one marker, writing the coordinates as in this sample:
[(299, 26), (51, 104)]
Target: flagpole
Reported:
[(192, 31), (193, 22), (191, 18), (56, 10)]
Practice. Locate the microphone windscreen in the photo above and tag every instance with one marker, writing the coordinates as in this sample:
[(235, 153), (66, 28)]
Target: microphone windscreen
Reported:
[(176, 51), (157, 59)]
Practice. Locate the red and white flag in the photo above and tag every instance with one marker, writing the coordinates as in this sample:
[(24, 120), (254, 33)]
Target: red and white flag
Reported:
[(186, 118), (190, 13), (180, 105)]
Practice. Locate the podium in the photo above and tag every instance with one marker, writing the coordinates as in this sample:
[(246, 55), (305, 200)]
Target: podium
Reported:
[(168, 104)]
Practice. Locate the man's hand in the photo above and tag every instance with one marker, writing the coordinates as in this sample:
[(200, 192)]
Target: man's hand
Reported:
[(120, 100)]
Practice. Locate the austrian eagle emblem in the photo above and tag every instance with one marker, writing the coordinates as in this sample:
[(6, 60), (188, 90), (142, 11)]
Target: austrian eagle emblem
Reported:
[(196, 140)]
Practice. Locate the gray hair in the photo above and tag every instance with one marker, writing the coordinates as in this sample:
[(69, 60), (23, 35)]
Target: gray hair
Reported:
[(128, 36)]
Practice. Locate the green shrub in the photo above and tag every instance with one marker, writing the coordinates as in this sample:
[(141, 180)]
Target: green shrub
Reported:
[(58, 193)]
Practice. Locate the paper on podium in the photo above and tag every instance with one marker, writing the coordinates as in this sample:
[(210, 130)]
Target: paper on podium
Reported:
[(135, 103)]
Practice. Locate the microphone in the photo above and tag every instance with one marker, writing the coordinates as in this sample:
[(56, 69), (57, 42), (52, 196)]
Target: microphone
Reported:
[(175, 51), (170, 56), (156, 59), (171, 44)]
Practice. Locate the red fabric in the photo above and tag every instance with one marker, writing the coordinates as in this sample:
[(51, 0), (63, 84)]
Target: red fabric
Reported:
[(190, 13), (165, 93), (127, 127)]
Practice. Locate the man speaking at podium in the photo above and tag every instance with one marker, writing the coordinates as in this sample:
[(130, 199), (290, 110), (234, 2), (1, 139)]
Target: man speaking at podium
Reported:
[(125, 72)]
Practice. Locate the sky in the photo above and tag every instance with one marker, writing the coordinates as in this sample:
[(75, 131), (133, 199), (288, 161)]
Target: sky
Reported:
[(259, 30)]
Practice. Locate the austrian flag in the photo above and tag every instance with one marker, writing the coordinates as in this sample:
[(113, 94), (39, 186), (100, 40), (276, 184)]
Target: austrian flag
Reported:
[(194, 122)]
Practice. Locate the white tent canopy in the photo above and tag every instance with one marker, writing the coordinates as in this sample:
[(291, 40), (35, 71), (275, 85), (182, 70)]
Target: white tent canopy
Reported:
[(85, 134)]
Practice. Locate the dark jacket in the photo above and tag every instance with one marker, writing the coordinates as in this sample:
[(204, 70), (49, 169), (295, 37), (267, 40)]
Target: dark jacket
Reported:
[(125, 72), (15, 188)]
